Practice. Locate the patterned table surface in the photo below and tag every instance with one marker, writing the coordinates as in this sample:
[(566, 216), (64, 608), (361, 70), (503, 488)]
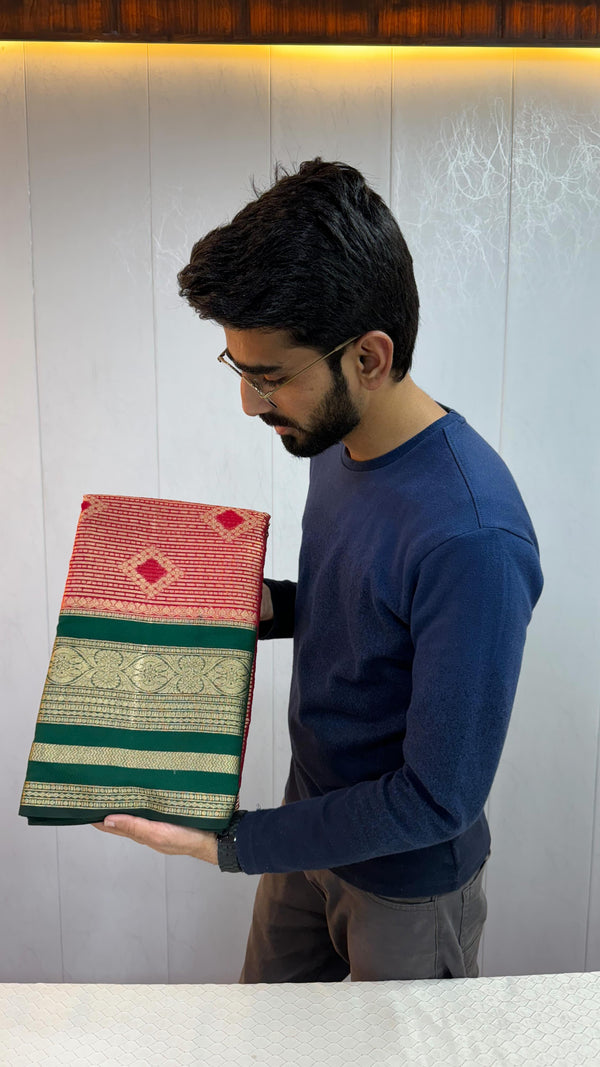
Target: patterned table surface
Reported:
[(540, 1020)]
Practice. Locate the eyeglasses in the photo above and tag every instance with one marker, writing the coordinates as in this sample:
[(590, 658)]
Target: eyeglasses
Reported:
[(259, 379)]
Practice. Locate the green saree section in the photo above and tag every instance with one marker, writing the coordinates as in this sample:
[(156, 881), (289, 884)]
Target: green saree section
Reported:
[(143, 718), (183, 635), (204, 820), (104, 775), (45, 802), (148, 740)]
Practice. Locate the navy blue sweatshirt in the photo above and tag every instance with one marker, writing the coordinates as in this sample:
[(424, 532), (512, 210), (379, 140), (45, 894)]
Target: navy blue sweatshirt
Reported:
[(418, 574)]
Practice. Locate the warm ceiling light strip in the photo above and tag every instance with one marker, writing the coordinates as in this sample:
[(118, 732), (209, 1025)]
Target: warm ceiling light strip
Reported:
[(453, 22)]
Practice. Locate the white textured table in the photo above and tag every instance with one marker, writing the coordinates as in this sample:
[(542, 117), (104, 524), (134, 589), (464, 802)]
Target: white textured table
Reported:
[(538, 1020)]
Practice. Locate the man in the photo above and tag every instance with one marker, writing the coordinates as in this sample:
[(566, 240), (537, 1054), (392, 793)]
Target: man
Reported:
[(418, 573)]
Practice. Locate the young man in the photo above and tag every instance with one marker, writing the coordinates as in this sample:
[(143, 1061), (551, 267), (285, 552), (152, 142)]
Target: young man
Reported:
[(419, 570)]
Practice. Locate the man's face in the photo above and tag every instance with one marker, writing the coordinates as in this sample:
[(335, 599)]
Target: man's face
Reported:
[(314, 412), (332, 419)]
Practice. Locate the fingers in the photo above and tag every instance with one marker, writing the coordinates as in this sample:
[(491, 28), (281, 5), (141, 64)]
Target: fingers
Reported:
[(164, 837), (266, 604), (127, 826), (168, 838)]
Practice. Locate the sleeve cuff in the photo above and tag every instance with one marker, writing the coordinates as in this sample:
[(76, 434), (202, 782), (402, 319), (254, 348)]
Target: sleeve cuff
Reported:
[(283, 595)]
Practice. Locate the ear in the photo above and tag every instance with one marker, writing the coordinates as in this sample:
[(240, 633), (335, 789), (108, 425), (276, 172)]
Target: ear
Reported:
[(374, 359)]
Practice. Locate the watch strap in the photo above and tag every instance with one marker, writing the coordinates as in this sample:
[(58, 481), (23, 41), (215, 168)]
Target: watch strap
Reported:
[(226, 845)]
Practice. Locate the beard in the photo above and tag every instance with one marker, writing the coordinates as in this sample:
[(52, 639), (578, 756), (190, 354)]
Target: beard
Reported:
[(334, 418)]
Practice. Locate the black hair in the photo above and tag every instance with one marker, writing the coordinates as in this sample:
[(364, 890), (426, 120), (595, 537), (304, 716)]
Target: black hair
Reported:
[(319, 255)]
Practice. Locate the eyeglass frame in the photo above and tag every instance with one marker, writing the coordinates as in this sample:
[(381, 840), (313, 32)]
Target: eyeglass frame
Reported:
[(267, 396)]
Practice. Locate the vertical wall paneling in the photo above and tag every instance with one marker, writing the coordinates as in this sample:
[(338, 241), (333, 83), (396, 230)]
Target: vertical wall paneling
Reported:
[(29, 897), (88, 138), (209, 136), (320, 100), (451, 144), (543, 801)]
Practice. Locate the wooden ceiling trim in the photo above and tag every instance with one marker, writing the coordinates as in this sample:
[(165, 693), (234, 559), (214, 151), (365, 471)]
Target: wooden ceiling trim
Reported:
[(385, 22)]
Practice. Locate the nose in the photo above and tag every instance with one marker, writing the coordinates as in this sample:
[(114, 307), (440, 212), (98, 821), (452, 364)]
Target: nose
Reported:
[(252, 403)]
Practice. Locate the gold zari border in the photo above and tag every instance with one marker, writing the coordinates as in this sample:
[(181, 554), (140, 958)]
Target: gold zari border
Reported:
[(117, 609), (209, 762), (196, 805), (102, 667), (184, 718)]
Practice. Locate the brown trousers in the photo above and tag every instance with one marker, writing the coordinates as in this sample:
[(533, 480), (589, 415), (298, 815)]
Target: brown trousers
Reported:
[(311, 926)]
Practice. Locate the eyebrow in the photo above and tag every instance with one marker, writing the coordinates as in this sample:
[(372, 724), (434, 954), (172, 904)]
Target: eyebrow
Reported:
[(257, 368)]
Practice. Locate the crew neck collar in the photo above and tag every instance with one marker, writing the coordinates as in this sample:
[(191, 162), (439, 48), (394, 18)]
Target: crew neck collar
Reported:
[(451, 416)]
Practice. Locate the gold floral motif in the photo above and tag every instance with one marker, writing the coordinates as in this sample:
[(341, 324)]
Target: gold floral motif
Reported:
[(193, 671), (66, 665), (228, 675), (101, 665), (207, 762), (150, 673)]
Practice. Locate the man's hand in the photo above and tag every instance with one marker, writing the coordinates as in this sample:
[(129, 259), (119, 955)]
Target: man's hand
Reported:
[(266, 604), (163, 836)]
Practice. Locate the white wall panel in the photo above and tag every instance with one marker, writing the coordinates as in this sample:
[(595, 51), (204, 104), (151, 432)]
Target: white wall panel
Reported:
[(209, 132), (88, 138), (451, 131), (543, 799), (334, 103), (29, 897), (209, 135)]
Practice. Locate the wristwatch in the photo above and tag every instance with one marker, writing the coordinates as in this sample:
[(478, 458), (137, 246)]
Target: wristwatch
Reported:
[(226, 850)]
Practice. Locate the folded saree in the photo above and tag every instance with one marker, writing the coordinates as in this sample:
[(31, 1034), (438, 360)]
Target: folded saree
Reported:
[(147, 700)]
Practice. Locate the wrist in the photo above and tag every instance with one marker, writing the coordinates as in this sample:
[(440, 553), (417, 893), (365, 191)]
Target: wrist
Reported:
[(205, 848), (214, 850)]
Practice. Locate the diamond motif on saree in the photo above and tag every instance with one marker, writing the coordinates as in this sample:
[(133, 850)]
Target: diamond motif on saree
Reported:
[(151, 570), (229, 524), (91, 505), (229, 520)]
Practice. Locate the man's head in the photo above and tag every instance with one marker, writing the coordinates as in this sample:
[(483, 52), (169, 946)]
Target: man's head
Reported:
[(315, 260)]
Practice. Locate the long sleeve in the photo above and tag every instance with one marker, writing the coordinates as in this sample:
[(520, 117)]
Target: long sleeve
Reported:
[(472, 601), (283, 595)]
